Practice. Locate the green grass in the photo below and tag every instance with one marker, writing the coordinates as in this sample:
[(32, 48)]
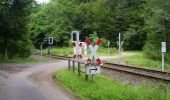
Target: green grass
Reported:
[(140, 60), (20, 60), (103, 88), (69, 51)]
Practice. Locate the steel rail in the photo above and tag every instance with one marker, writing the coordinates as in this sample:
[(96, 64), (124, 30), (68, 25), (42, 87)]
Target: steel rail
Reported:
[(150, 73), (144, 72)]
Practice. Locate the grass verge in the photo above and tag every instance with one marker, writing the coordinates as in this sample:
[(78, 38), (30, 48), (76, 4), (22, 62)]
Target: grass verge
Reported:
[(105, 89), (69, 51), (20, 60), (140, 60)]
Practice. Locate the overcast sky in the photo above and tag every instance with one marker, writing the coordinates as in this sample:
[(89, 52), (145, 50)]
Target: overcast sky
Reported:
[(41, 1)]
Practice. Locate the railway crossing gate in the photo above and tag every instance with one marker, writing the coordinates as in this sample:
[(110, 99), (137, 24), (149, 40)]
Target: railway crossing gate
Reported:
[(92, 65), (93, 62), (80, 48), (94, 59)]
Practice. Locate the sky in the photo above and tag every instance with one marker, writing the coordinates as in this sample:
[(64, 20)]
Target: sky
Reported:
[(42, 1)]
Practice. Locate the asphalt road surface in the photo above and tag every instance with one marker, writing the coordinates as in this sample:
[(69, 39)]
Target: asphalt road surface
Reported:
[(31, 82)]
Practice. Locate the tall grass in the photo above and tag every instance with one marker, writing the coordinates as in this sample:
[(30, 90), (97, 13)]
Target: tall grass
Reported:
[(69, 51), (19, 59), (139, 59), (104, 89)]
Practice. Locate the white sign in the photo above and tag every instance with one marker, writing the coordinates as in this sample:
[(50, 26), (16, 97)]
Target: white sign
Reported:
[(77, 50), (92, 69), (93, 51), (82, 49), (75, 36), (50, 40), (163, 48)]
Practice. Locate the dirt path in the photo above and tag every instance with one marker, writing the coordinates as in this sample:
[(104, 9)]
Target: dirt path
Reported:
[(31, 82)]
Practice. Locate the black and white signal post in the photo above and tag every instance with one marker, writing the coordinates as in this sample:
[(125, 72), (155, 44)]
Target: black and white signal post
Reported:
[(77, 45), (163, 49), (50, 42), (77, 49)]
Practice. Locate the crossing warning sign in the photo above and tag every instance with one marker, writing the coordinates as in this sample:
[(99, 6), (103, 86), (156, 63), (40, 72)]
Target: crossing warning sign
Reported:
[(93, 49)]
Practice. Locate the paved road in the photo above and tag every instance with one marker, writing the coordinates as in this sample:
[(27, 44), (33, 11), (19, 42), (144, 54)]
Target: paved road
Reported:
[(31, 82)]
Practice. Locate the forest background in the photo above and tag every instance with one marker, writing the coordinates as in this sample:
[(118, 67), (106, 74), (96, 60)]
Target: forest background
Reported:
[(25, 25)]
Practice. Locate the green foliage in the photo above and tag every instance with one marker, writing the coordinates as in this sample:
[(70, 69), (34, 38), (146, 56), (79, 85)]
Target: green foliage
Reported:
[(69, 51), (20, 60), (105, 17), (141, 60), (144, 24), (157, 27), (54, 19), (60, 51), (103, 88), (134, 40), (13, 33)]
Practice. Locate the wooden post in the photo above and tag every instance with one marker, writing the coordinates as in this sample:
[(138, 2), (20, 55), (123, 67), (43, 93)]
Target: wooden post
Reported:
[(79, 69), (86, 76), (69, 64), (73, 66), (92, 76)]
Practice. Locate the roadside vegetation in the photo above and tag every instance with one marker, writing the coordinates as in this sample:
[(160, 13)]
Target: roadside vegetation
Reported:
[(103, 88), (20, 60), (26, 25), (140, 60), (69, 51)]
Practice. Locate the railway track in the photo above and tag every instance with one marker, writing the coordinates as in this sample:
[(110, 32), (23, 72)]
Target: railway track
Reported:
[(55, 56), (148, 73)]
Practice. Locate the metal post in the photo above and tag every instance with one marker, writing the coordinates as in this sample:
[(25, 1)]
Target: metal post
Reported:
[(69, 65), (79, 69), (119, 45), (92, 76), (86, 75), (41, 50), (73, 66), (163, 49), (50, 53), (163, 60)]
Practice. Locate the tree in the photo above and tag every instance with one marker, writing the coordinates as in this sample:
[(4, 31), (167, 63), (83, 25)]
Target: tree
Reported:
[(53, 19), (14, 37), (157, 25)]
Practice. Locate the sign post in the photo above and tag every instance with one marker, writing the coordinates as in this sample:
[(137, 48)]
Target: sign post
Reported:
[(50, 42), (93, 62), (77, 49), (163, 49)]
